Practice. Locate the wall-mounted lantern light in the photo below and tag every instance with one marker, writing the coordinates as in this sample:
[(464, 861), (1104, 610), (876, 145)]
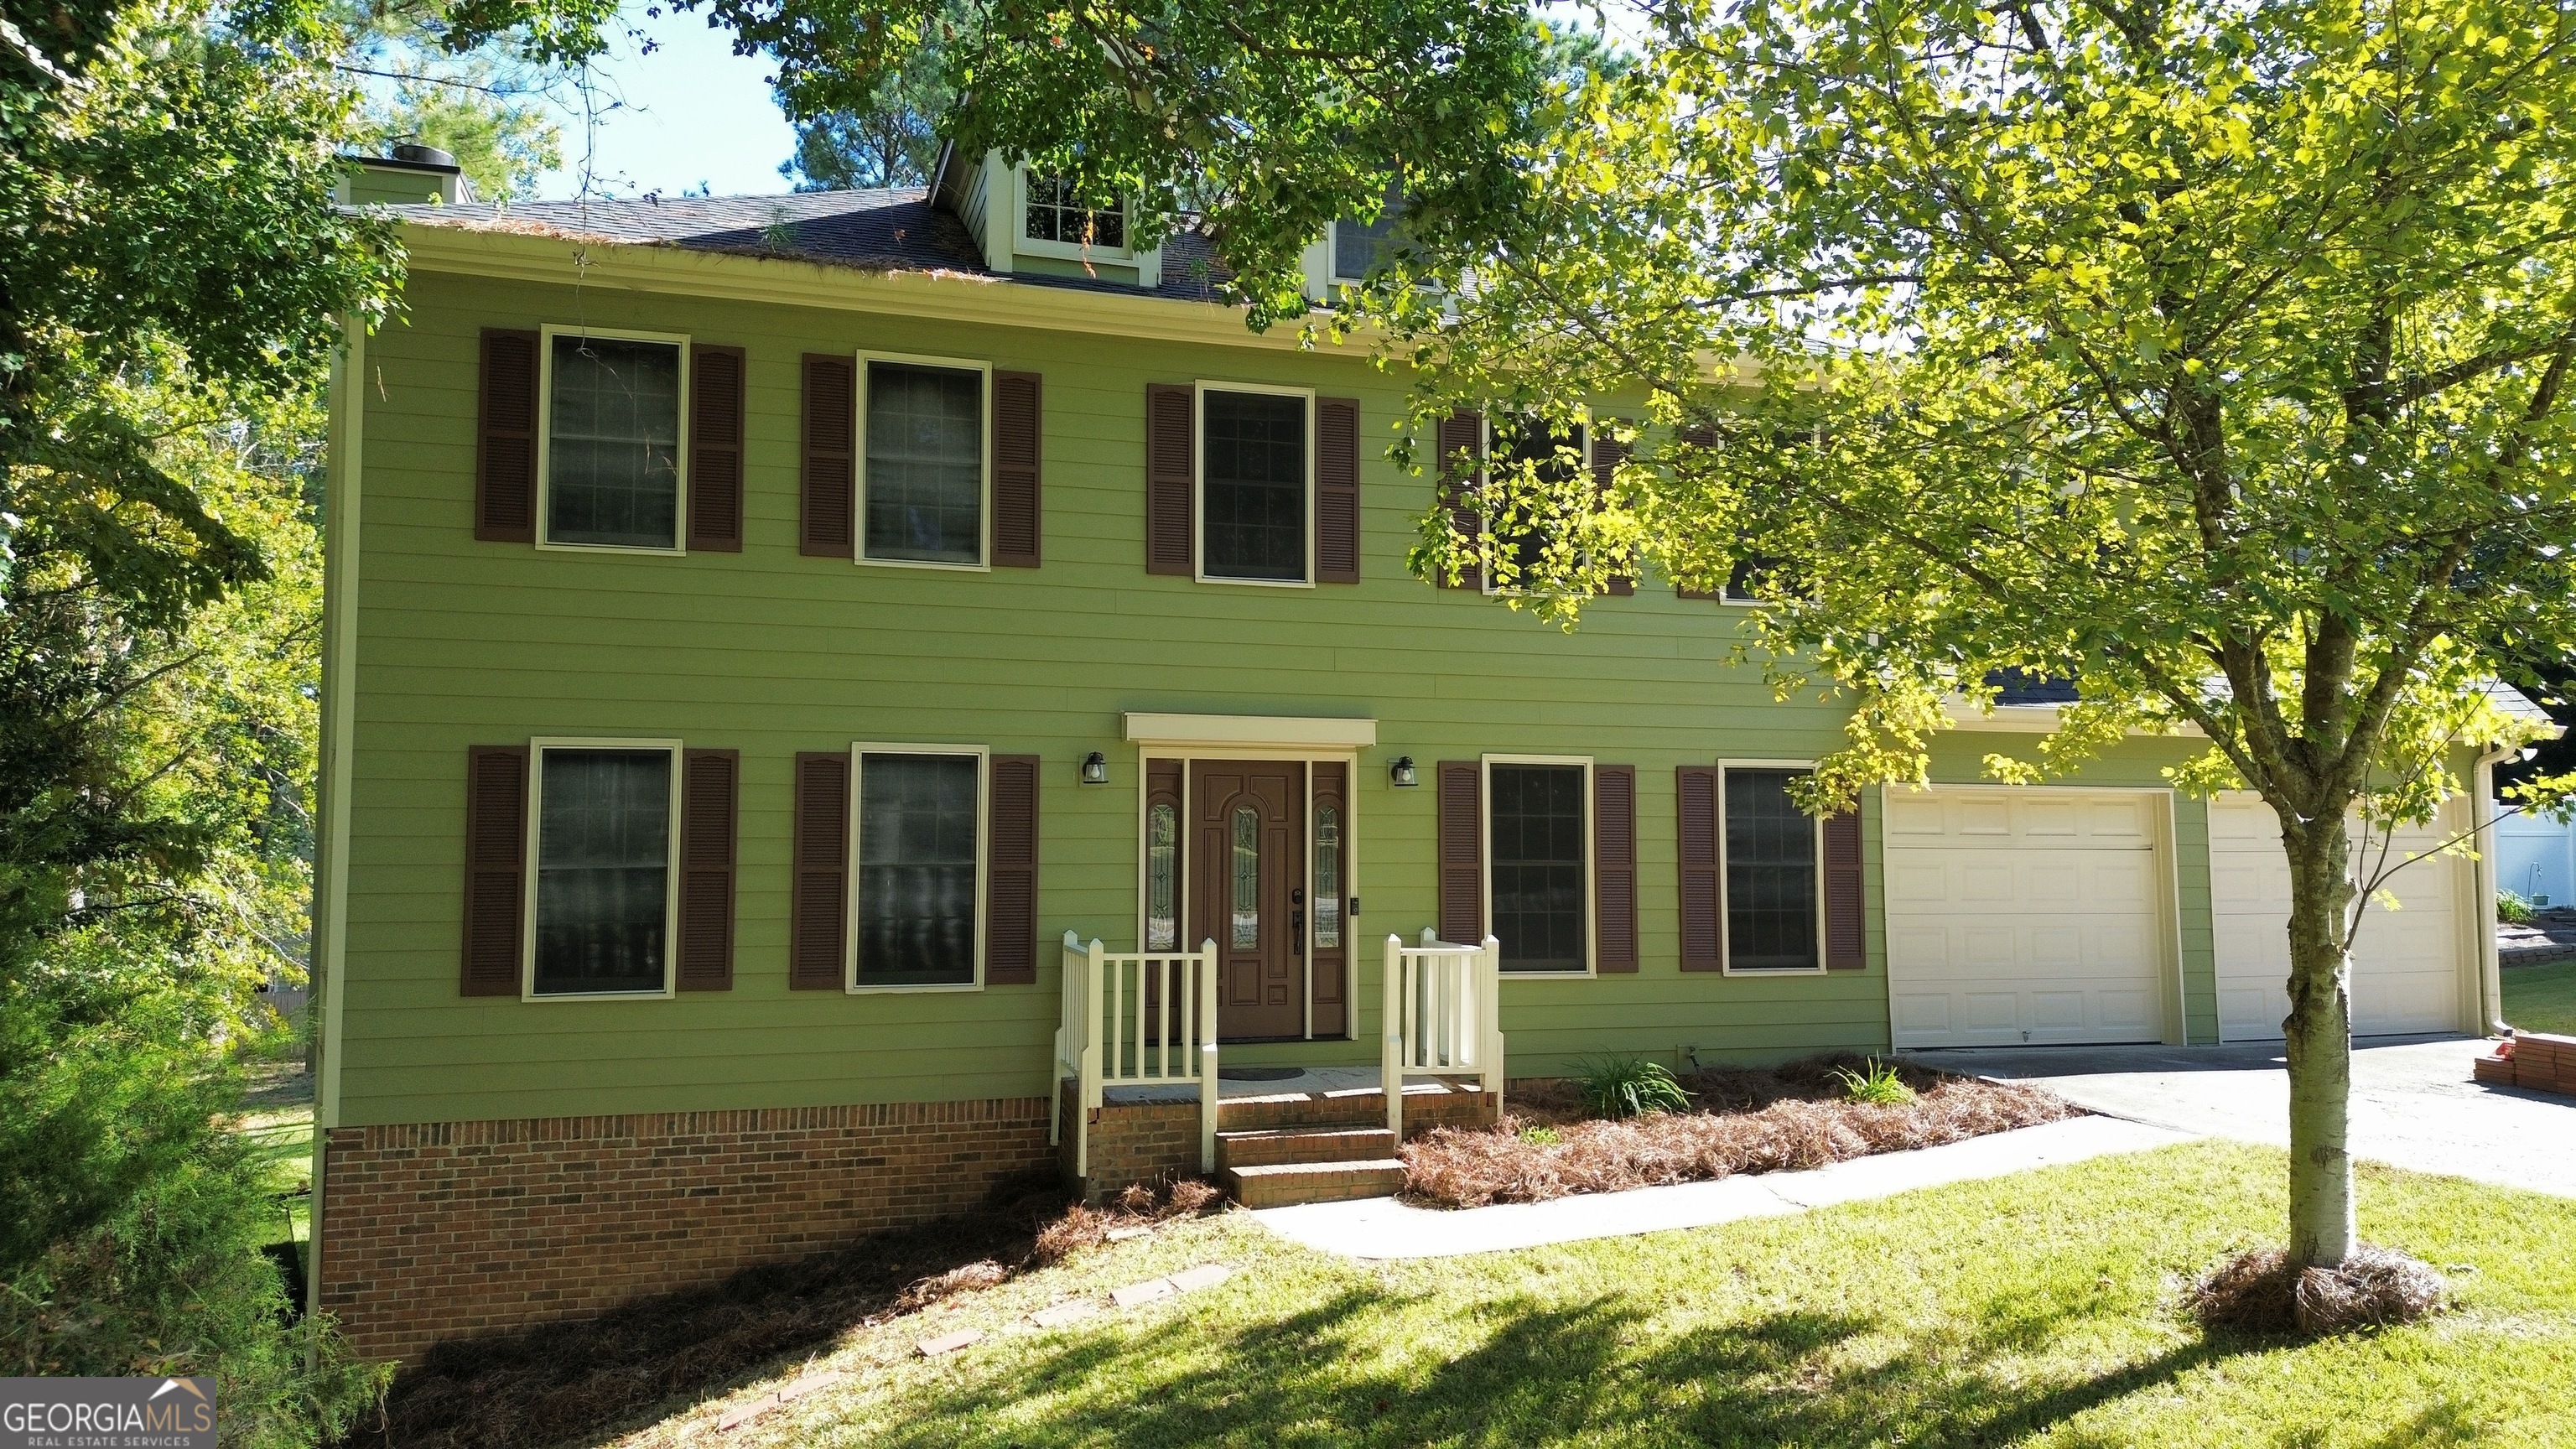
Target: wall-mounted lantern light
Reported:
[(1401, 775), (1095, 768)]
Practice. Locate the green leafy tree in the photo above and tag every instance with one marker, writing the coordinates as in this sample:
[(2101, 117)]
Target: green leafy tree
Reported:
[(2214, 357), (893, 140)]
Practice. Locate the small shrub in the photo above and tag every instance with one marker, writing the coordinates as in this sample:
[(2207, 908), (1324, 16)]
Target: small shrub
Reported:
[(2512, 909), (1540, 1136), (1619, 1087), (1874, 1082)]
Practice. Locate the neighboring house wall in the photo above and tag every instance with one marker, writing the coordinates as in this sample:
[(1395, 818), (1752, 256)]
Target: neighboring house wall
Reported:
[(2536, 858)]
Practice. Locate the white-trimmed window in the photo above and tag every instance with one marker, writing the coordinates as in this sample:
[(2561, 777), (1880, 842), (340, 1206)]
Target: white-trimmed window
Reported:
[(1056, 220), (612, 470), (1771, 870), (605, 908), (1255, 502), (1538, 862), (918, 907), (925, 461), (1561, 459)]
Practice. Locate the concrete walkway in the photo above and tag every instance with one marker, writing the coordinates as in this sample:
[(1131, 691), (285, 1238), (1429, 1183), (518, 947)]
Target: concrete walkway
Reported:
[(2413, 1105), (1381, 1227)]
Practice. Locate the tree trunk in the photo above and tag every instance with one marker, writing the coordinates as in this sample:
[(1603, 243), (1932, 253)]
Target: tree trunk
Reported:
[(2318, 1038)]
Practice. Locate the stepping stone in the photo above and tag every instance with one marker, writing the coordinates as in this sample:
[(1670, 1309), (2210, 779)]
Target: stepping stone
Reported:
[(1205, 1275), (949, 1342), (811, 1383), (1064, 1313), (1120, 1235), (741, 1414), (1145, 1292)]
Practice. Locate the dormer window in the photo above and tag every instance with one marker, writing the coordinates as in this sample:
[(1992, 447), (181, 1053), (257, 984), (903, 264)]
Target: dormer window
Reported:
[(1056, 216), (1356, 245)]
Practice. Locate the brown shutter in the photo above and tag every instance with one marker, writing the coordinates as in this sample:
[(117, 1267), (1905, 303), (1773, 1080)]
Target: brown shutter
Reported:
[(1844, 948), (1614, 867), (505, 443), (709, 795), (1607, 455), (1019, 440), (715, 448), (825, 526), (816, 948), (1463, 432), (1011, 876), (1462, 855), (1337, 490), (1697, 786), (1169, 430), (496, 863)]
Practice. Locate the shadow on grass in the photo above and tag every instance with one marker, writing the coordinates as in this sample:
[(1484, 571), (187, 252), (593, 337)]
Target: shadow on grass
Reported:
[(1524, 1372)]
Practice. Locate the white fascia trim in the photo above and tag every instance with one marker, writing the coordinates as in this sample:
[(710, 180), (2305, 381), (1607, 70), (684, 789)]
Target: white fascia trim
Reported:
[(565, 260), (2032, 719), (1287, 732)]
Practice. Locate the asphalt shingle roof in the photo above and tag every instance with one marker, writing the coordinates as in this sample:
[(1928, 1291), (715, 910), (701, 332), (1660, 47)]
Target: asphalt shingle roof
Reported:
[(898, 229)]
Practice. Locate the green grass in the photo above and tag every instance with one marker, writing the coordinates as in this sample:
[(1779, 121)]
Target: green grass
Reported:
[(278, 1120), (2041, 1308), (2542, 998)]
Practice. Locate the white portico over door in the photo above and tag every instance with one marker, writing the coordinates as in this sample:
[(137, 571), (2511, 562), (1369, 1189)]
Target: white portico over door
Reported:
[(1248, 835)]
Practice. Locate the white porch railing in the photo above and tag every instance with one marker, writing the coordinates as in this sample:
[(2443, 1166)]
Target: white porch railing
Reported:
[(1443, 1017), (1135, 1018)]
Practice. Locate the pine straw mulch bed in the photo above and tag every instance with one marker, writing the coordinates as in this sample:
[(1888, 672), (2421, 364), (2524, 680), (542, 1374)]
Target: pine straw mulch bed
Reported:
[(564, 1381), (1792, 1116)]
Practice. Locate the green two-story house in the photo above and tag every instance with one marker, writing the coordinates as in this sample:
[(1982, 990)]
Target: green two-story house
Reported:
[(760, 630)]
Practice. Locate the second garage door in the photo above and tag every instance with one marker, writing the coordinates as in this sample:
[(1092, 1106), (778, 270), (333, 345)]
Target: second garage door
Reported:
[(2026, 915), (2407, 964)]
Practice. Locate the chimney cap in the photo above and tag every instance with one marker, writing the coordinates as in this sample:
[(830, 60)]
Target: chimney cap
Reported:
[(416, 154)]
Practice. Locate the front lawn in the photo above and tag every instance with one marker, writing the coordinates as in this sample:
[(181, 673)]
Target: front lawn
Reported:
[(2541, 998), (2037, 1308)]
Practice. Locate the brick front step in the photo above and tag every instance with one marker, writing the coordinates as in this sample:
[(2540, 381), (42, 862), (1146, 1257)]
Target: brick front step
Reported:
[(1288, 1183), (1270, 1146)]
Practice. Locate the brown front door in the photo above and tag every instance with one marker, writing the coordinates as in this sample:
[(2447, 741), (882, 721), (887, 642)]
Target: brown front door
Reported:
[(1247, 891)]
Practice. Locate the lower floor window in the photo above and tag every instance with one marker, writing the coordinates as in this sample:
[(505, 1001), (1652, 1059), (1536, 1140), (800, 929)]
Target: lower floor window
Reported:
[(918, 868), (603, 870), (1535, 828), (1771, 912)]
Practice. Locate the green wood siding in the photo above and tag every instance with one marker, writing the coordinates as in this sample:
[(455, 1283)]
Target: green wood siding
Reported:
[(770, 653)]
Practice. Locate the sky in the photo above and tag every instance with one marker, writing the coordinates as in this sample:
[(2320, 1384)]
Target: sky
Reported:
[(690, 113)]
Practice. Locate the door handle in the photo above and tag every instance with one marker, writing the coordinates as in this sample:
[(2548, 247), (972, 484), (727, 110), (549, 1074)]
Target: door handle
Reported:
[(1297, 933)]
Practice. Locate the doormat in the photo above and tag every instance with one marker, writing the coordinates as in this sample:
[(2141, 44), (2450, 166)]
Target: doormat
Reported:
[(1258, 1074)]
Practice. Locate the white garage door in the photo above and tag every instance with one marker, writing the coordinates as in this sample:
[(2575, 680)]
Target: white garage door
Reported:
[(2407, 963), (2028, 915)]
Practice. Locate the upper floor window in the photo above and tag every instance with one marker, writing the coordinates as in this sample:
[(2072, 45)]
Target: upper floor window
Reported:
[(923, 476), (1053, 212), (1357, 245), (1559, 458), (614, 437), (1255, 477)]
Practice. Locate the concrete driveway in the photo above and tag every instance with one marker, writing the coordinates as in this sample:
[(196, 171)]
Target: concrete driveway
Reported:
[(2413, 1104)]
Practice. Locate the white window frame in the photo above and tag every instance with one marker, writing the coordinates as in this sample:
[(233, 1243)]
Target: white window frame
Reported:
[(1725, 916), (1198, 481), (546, 336), (983, 755), (1484, 531), (1591, 861), (1029, 246), (535, 877), (984, 442)]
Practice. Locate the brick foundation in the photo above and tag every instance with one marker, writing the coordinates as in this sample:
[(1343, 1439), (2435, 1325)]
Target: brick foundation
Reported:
[(434, 1231)]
